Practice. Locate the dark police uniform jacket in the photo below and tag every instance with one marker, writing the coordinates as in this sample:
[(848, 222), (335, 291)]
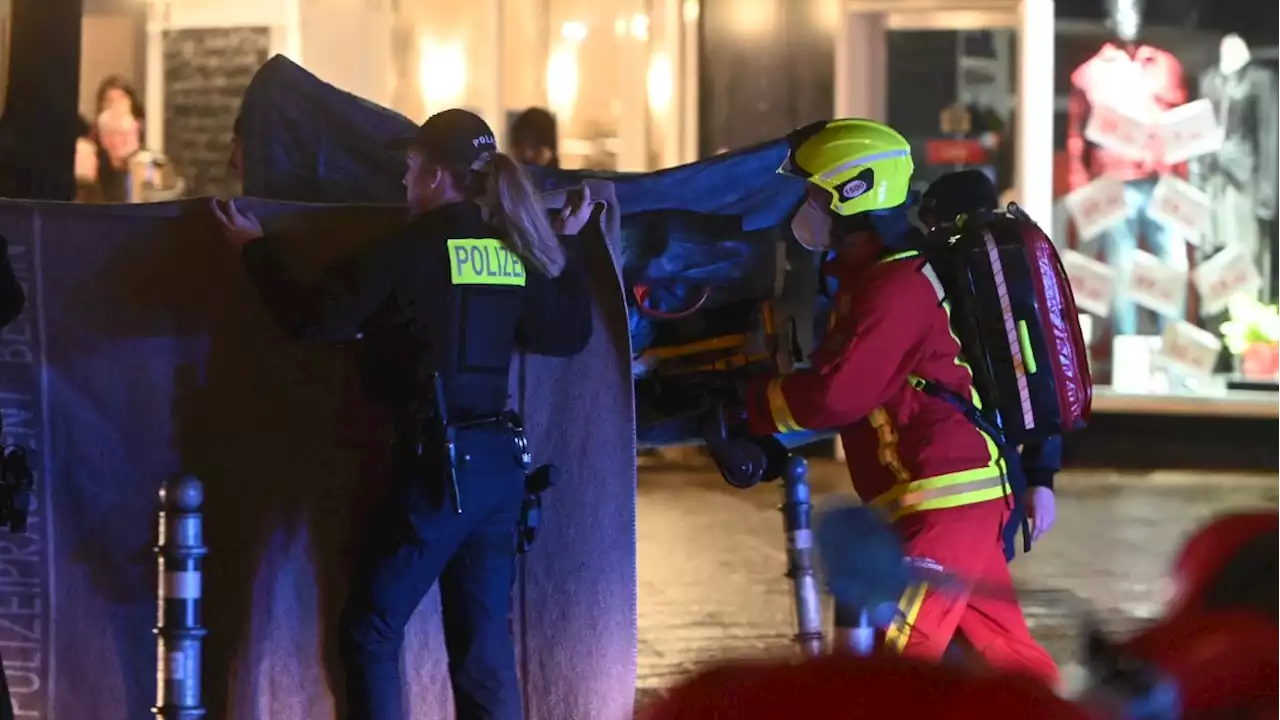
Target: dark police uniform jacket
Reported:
[(441, 294)]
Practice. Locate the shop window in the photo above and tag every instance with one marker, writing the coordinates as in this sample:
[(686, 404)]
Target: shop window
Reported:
[(450, 57), (597, 68), (1170, 147), (603, 69)]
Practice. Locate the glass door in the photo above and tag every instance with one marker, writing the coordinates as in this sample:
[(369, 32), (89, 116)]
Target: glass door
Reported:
[(954, 77)]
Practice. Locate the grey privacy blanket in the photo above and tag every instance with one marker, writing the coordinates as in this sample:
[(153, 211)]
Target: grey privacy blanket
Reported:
[(144, 353)]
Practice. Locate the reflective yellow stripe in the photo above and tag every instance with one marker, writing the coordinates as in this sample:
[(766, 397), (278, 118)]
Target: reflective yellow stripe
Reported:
[(1024, 341), (888, 451), (727, 342), (484, 261), (778, 407), (899, 632), (898, 256), (966, 487)]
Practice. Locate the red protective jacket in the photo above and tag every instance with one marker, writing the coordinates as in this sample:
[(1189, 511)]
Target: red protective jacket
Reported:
[(906, 451), (1142, 85)]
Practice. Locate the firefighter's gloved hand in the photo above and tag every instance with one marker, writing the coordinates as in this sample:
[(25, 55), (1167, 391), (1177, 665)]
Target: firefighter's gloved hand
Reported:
[(743, 461)]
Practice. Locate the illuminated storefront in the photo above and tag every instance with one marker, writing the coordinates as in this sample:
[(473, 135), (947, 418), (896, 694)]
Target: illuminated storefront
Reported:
[(1161, 195), (620, 76)]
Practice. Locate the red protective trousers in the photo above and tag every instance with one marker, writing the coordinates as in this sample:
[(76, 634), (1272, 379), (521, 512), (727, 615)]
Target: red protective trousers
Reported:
[(965, 543)]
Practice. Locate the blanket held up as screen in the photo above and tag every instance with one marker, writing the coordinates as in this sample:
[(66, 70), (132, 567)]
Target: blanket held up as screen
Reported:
[(144, 353)]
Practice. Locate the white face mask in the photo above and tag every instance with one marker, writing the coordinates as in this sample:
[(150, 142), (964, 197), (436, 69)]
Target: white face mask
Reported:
[(812, 226)]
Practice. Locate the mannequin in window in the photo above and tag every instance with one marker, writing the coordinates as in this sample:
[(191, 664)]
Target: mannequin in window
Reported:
[(1240, 179), (1141, 82)]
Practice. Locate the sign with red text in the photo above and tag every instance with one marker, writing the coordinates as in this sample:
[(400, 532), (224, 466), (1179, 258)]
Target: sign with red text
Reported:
[(1119, 132), (954, 151), (1229, 273), (1093, 283), (1190, 349), (1180, 207), (1189, 131), (1097, 207), (1157, 286)]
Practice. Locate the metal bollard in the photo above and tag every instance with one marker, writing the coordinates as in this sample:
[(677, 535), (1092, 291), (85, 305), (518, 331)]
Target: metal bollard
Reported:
[(179, 555), (797, 512)]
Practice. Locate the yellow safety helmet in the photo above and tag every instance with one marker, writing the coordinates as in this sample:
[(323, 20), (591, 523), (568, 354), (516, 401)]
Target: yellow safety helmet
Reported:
[(863, 164)]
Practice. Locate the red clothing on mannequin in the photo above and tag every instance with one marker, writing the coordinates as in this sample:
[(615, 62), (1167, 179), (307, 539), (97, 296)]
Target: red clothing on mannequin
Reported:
[(1142, 85)]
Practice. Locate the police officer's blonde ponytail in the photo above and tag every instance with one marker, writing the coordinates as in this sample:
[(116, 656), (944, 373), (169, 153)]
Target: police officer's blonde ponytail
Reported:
[(518, 211)]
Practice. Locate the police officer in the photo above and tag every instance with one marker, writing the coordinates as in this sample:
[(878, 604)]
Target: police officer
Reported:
[(967, 192), (475, 272)]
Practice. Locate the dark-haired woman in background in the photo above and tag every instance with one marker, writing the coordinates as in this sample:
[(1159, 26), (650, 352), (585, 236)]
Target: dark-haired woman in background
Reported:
[(118, 132)]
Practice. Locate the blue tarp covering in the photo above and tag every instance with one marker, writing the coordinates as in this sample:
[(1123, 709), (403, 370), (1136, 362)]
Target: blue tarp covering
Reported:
[(712, 223), (309, 141), (709, 228)]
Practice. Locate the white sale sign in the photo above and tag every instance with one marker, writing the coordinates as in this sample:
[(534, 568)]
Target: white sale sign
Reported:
[(1229, 273), (1118, 132), (1180, 207), (1097, 207), (1093, 283), (1189, 131), (1157, 286), (1190, 349)]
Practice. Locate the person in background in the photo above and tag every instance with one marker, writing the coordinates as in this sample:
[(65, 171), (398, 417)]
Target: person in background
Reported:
[(116, 92), (533, 138), (87, 189), (968, 192), (439, 306), (119, 137), (117, 129)]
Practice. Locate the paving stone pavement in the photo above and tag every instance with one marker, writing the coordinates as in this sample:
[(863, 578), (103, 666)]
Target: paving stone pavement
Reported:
[(711, 559)]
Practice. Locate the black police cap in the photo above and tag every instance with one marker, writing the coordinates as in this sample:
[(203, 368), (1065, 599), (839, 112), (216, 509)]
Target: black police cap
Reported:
[(452, 138)]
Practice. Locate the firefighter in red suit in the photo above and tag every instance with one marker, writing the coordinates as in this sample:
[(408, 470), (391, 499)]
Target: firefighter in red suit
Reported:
[(937, 477)]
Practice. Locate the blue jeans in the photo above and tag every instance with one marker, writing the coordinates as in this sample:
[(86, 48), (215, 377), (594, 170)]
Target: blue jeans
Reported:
[(417, 539), (1120, 243)]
